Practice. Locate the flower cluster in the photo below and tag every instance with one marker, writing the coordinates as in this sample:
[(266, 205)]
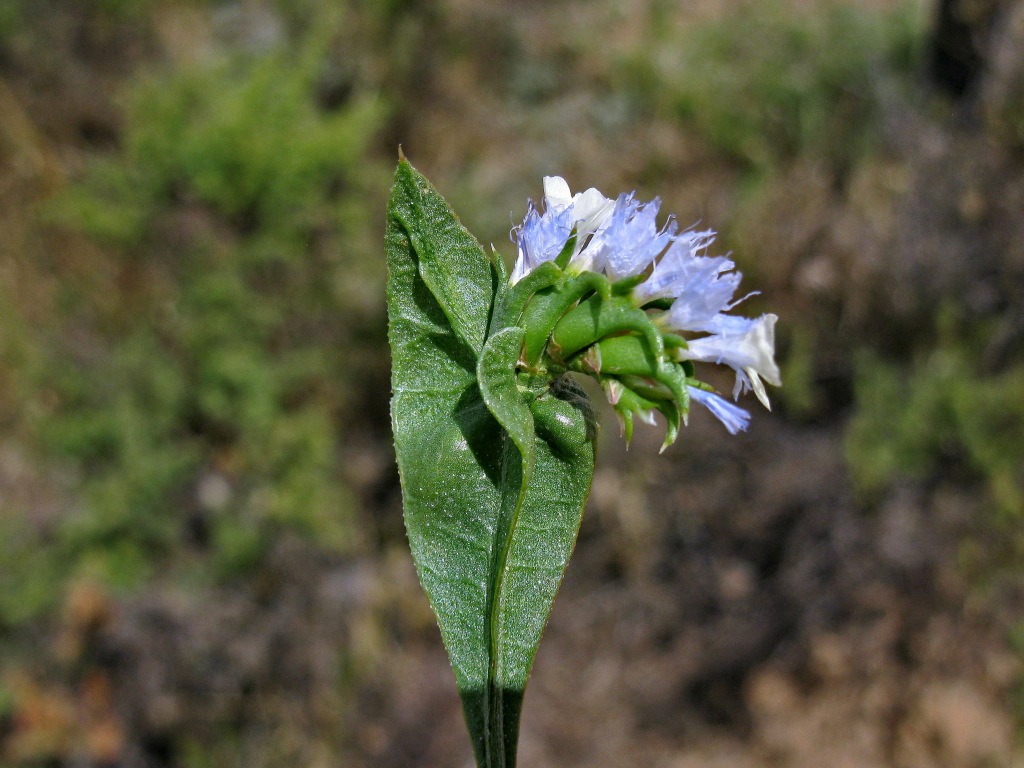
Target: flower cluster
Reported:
[(664, 274)]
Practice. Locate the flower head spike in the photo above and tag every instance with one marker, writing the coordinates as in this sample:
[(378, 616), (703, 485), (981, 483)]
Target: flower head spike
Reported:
[(623, 305)]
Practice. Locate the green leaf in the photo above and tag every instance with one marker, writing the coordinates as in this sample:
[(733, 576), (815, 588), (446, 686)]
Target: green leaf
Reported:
[(494, 474), (448, 445), (450, 260), (541, 533)]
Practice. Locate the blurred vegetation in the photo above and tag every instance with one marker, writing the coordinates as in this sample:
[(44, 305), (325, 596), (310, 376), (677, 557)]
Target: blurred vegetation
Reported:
[(216, 364), (765, 85), (944, 411), (211, 332)]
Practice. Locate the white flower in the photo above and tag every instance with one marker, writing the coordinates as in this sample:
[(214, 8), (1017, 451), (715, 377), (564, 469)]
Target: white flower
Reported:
[(745, 345), (590, 209)]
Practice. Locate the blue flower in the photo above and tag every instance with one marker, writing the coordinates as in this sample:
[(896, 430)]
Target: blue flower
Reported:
[(702, 286), (745, 345), (732, 416), (618, 238), (630, 241), (621, 239), (541, 237)]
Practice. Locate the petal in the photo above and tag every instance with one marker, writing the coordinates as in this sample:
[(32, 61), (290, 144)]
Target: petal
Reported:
[(732, 416), (556, 193), (591, 210), (702, 286), (630, 240), (540, 238), (747, 346)]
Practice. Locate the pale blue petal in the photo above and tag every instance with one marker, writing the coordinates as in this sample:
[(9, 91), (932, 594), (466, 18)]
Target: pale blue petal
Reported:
[(630, 239), (732, 416), (540, 238), (702, 286)]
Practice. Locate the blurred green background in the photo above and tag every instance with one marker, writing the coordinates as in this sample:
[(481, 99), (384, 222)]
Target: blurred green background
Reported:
[(202, 561)]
